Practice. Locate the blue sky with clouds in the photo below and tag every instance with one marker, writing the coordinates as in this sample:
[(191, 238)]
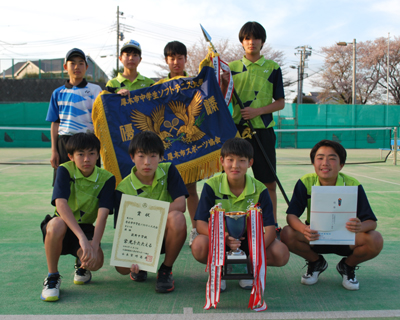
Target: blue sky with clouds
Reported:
[(48, 29)]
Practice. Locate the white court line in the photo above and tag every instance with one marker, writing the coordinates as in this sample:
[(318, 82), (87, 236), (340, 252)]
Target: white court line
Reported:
[(189, 315), (13, 166), (21, 193), (360, 175)]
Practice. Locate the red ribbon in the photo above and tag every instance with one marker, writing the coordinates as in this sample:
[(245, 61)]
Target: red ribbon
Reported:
[(216, 256)]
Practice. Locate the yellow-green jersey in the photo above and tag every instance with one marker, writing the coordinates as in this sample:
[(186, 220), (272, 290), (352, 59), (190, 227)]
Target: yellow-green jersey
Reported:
[(257, 84)]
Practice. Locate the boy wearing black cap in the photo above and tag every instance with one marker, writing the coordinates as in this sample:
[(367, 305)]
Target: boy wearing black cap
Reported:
[(70, 109), (130, 79)]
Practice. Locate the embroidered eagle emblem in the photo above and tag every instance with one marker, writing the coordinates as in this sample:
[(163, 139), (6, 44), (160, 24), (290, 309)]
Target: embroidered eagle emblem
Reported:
[(189, 131), (152, 123)]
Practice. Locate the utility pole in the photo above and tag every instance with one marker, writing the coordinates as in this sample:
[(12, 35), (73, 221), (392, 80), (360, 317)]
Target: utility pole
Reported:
[(120, 36), (387, 72), (304, 54)]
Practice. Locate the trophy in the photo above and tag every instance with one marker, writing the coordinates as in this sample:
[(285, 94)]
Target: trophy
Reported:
[(236, 225)]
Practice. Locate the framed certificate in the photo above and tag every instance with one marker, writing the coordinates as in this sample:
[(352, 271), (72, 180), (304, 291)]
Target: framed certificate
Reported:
[(331, 208), (139, 233)]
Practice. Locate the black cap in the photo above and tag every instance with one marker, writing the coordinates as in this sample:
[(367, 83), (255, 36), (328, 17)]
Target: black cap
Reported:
[(75, 52)]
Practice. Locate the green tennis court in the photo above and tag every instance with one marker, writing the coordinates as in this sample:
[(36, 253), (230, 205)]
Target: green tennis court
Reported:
[(25, 195)]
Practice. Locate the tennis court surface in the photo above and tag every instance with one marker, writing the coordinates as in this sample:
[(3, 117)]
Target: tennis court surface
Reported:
[(25, 195)]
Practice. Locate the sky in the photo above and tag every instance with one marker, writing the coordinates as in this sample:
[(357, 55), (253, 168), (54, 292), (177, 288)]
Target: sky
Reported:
[(43, 29)]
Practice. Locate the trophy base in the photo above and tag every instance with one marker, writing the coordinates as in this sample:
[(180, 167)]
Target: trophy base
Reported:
[(236, 255)]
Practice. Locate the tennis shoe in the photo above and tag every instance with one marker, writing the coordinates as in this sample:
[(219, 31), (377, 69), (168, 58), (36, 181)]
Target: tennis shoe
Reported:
[(246, 284), (165, 281), (193, 234), (141, 276), (51, 288), (81, 276), (314, 269), (223, 285), (349, 280)]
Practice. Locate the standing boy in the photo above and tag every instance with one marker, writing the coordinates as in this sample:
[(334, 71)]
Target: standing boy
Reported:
[(160, 181), (83, 193), (328, 158), (259, 84), (236, 190), (130, 79), (175, 54), (70, 109)]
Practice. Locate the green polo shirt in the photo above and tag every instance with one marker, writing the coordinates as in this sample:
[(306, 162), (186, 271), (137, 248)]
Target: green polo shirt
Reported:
[(184, 75), (257, 84), (216, 190), (158, 190), (121, 82), (84, 194)]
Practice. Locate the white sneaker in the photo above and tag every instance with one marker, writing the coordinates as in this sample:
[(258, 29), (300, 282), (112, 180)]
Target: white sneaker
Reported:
[(246, 284), (193, 234), (349, 281), (82, 276), (223, 285), (313, 271), (51, 288)]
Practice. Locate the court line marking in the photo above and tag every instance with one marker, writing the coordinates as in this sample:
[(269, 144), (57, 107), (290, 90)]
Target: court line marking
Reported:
[(360, 175), (13, 166), (189, 315)]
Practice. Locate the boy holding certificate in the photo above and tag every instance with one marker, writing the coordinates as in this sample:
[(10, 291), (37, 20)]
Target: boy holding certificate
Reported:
[(160, 181), (236, 191), (328, 158)]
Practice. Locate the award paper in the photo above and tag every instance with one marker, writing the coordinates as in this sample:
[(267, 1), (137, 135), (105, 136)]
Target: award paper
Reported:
[(331, 208), (139, 233)]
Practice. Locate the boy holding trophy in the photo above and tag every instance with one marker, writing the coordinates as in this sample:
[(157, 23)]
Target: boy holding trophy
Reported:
[(236, 191)]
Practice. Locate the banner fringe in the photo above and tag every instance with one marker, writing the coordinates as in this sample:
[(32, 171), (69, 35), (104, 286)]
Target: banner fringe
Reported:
[(102, 132), (200, 168)]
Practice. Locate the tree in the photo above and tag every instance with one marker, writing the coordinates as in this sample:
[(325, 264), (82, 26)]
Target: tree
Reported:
[(371, 81), (379, 60), (227, 51), (337, 79), (114, 72)]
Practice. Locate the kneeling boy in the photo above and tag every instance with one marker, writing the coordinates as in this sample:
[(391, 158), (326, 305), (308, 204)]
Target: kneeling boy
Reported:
[(328, 158), (83, 193), (159, 181), (236, 190)]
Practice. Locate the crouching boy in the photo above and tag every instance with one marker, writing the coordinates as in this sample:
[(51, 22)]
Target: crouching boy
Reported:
[(160, 181), (328, 158), (83, 194), (236, 190)]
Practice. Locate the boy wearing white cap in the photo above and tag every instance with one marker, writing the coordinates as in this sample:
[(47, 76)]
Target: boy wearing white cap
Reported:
[(130, 79)]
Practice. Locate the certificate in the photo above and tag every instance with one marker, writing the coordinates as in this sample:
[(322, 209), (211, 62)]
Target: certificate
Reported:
[(331, 208), (139, 233)]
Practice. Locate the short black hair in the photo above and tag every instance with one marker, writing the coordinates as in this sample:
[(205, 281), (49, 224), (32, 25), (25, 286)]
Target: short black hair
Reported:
[(173, 48), (146, 142), (237, 147), (82, 141), (254, 29), (339, 149), (132, 50)]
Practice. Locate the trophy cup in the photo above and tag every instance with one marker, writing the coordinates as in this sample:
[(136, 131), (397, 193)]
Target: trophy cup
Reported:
[(236, 225)]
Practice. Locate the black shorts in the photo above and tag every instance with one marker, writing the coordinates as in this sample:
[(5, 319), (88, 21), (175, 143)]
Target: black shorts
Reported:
[(63, 154), (341, 250), (261, 169), (70, 243)]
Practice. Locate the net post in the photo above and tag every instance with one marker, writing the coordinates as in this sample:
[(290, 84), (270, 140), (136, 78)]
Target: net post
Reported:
[(395, 146)]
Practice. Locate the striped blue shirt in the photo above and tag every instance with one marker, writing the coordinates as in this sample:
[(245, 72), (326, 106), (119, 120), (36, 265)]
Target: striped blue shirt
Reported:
[(71, 106)]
